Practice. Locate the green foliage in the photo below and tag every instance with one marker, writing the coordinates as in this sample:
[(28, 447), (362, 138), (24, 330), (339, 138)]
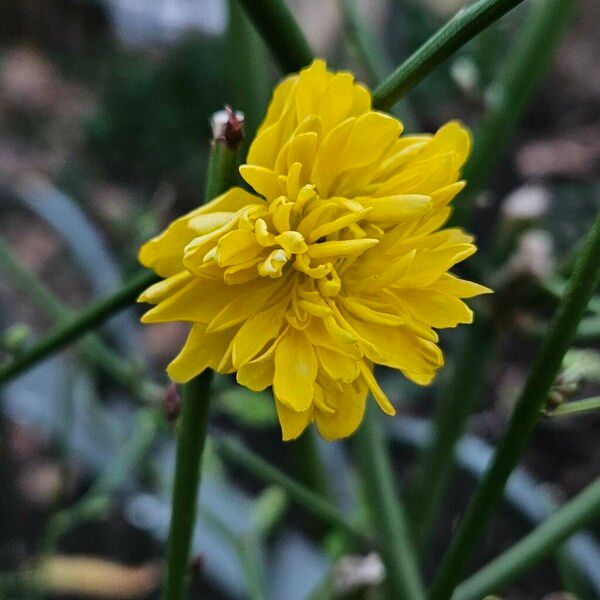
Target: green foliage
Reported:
[(153, 119), (250, 409)]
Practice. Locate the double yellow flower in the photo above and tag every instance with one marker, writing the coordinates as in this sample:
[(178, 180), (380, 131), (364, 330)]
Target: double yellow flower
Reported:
[(335, 263)]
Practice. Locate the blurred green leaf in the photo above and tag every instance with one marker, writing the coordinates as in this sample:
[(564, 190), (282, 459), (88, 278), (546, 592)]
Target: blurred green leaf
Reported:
[(248, 408)]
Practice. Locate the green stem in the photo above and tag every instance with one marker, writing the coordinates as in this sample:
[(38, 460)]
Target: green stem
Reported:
[(527, 411), (403, 578), (524, 555), (277, 26), (455, 403), (191, 427), (464, 26), (191, 435), (234, 452), (96, 313), (510, 95), (92, 348), (222, 170), (575, 408)]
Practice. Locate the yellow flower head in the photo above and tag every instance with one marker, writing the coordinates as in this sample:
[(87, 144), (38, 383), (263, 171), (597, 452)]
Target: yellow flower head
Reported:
[(334, 263)]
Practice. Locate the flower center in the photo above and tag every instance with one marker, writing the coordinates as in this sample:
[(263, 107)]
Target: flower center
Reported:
[(310, 236)]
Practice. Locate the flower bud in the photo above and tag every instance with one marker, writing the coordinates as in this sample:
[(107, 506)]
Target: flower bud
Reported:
[(172, 402), (228, 127)]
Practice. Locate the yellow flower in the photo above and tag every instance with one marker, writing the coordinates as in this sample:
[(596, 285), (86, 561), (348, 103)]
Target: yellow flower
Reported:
[(335, 263)]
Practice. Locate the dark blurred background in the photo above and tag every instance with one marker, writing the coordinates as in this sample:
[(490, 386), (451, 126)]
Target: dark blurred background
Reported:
[(104, 115)]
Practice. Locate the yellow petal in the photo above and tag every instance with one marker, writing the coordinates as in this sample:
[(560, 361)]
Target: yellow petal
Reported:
[(361, 102), (283, 95), (336, 365), (371, 135), (449, 284), (243, 306), (349, 409), (437, 310), (200, 300), (200, 351), (400, 349), (302, 150), (444, 195), (258, 374), (292, 242), (236, 247), (311, 85), (292, 423), (164, 253), (263, 180), (337, 100), (325, 168), (396, 208), (341, 248), (378, 393), (257, 331), (164, 288), (295, 370)]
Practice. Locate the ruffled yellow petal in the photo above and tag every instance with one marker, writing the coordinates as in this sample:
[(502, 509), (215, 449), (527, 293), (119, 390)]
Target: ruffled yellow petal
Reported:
[(292, 423), (295, 370), (258, 374), (200, 351), (163, 252), (348, 411)]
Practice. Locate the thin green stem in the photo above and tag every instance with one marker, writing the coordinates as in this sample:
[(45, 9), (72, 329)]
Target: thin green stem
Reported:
[(192, 424), (277, 26), (455, 403), (222, 169), (577, 407), (96, 313), (464, 26), (457, 400), (403, 579), (524, 555), (527, 411), (235, 452), (511, 93), (92, 348), (191, 436)]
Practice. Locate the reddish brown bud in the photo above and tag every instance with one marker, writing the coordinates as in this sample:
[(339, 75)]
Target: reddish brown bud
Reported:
[(172, 402), (228, 127), (197, 565)]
